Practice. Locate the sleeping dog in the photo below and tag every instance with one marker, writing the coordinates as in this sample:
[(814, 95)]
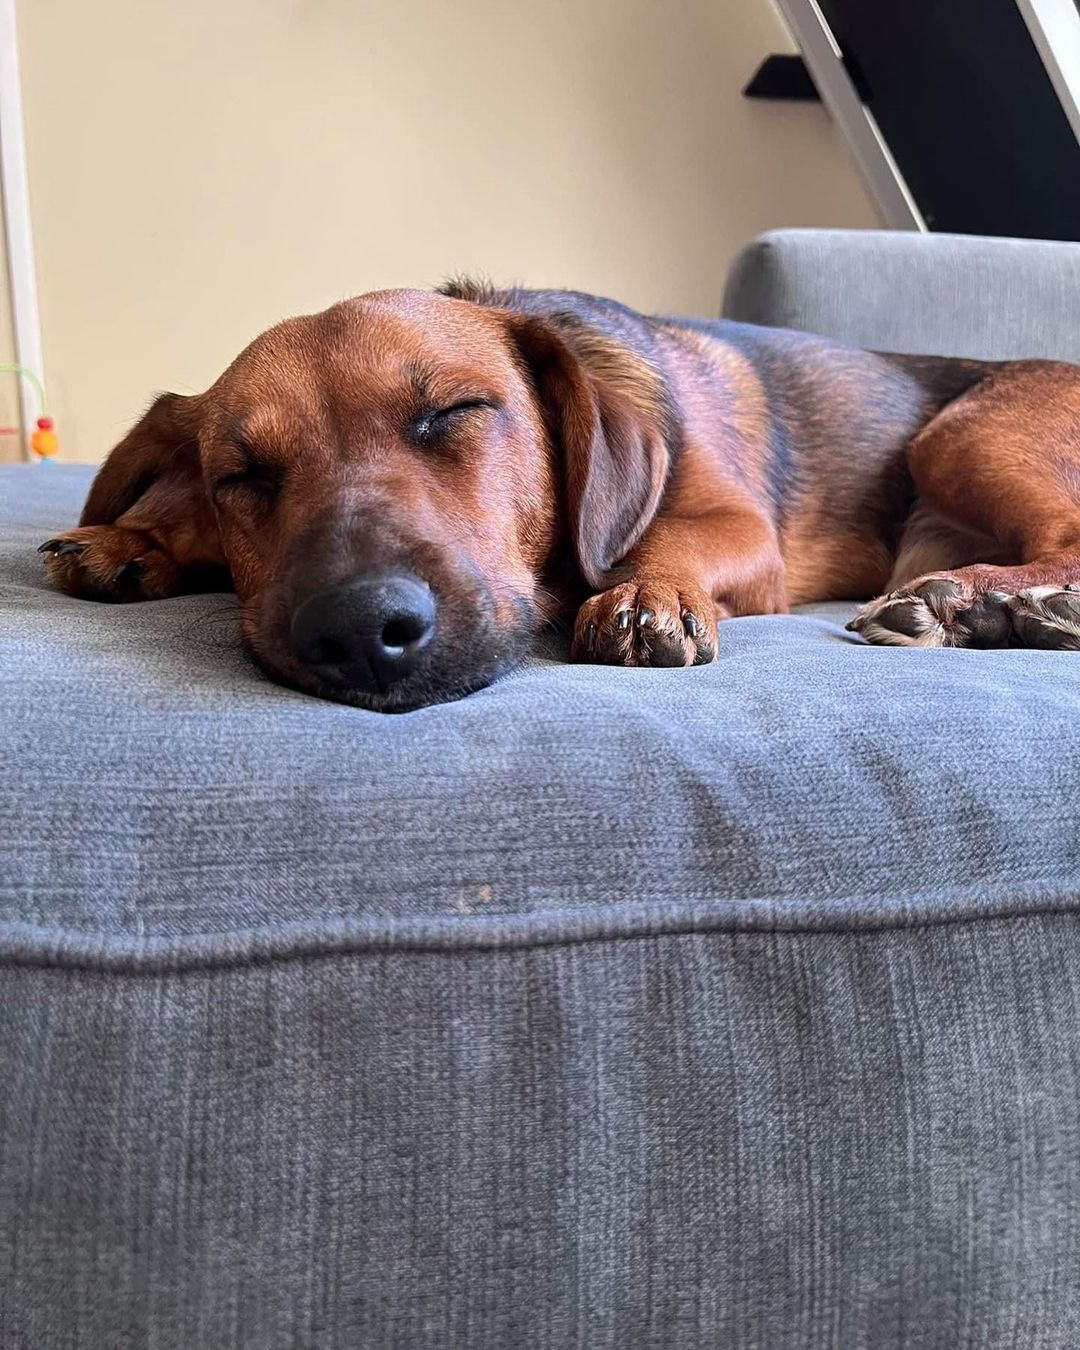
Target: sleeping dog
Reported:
[(406, 487)]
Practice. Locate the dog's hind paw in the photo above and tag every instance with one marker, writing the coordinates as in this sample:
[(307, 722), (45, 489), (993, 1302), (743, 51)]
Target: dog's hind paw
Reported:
[(936, 612), (948, 612)]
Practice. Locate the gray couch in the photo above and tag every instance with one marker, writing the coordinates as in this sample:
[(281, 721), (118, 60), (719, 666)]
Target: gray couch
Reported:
[(736, 1006)]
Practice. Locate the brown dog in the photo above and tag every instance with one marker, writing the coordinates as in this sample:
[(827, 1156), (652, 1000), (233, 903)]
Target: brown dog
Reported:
[(406, 486)]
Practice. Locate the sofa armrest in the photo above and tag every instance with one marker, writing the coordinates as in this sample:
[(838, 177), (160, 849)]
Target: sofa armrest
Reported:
[(938, 294)]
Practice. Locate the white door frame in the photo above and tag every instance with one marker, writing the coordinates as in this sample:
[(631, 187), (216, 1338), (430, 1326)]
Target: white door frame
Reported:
[(20, 243)]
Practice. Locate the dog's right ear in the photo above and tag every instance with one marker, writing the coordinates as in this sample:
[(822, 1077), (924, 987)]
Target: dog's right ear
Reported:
[(612, 420), (163, 444)]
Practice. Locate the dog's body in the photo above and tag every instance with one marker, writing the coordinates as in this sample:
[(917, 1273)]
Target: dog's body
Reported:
[(406, 486)]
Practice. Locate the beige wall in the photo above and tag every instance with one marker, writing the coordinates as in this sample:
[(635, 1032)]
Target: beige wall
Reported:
[(201, 169)]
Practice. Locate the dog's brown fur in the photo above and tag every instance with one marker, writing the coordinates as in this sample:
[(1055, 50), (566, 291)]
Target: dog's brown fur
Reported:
[(652, 475)]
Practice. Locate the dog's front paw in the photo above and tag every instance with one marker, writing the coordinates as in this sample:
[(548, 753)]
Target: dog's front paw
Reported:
[(105, 562), (647, 623)]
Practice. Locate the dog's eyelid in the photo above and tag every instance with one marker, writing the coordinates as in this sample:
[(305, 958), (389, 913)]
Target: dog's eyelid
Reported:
[(475, 403), (254, 476), (244, 450)]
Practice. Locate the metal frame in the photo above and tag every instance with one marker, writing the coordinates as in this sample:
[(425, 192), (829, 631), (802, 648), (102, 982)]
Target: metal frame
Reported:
[(825, 63), (1054, 26), (1055, 29)]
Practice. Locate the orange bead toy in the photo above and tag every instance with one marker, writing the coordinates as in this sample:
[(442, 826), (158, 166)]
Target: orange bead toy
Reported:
[(44, 442)]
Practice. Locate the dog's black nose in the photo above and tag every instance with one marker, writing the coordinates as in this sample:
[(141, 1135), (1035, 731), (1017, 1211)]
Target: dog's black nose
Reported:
[(367, 633)]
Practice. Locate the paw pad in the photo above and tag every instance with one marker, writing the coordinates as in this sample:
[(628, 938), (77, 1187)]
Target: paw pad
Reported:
[(941, 612), (1048, 617)]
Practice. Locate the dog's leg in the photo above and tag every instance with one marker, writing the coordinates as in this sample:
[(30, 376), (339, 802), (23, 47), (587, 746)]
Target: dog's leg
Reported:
[(684, 575), (163, 545), (1004, 460)]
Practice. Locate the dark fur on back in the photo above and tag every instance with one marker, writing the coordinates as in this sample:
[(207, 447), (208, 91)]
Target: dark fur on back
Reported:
[(827, 400)]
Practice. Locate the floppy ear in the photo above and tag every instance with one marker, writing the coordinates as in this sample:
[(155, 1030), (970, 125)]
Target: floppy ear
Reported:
[(162, 446), (610, 414)]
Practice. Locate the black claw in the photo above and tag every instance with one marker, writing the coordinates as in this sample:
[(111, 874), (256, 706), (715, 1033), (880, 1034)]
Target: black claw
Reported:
[(49, 546), (644, 617), (70, 548), (622, 623), (590, 637), (690, 623)]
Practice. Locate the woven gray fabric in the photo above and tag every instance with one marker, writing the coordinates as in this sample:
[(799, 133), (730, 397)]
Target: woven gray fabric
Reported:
[(936, 294), (726, 1007), (181, 795), (782, 1139)]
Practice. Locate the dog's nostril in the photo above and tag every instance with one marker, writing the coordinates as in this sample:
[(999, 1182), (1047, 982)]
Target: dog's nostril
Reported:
[(403, 629), (369, 632)]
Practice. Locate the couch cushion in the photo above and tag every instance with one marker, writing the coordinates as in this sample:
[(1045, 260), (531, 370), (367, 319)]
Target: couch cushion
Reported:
[(732, 1006), (941, 294), (160, 795)]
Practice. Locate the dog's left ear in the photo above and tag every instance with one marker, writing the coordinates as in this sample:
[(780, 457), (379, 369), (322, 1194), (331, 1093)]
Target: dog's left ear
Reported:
[(152, 484), (611, 417), (162, 446)]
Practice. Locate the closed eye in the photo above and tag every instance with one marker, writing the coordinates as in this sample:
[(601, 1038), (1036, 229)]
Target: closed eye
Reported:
[(432, 423), (257, 482)]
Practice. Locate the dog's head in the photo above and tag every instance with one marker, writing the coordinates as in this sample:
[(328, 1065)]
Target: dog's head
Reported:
[(394, 481)]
